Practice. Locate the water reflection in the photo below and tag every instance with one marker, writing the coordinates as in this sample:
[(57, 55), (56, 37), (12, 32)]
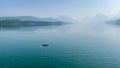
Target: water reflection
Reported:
[(71, 46)]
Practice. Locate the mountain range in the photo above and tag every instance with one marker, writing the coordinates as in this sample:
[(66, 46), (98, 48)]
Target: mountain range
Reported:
[(29, 18), (32, 18)]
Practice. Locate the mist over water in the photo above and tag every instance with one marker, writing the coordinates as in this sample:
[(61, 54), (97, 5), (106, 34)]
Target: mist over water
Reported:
[(59, 34), (70, 46)]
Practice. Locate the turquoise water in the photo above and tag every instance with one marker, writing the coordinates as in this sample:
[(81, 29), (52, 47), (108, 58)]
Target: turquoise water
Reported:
[(70, 46)]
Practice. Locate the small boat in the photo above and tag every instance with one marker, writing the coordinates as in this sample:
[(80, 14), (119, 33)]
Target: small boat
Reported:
[(45, 45)]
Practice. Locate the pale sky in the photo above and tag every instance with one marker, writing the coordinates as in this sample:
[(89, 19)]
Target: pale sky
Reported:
[(54, 8)]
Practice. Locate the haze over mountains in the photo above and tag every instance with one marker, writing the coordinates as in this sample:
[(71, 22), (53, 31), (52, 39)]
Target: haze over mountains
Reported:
[(98, 19), (67, 19), (32, 18), (115, 20), (19, 21), (23, 21), (29, 18), (101, 19)]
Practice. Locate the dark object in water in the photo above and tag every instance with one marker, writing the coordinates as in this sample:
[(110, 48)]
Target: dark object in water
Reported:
[(45, 45)]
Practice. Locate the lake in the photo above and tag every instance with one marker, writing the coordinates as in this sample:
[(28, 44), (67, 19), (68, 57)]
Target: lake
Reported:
[(70, 46)]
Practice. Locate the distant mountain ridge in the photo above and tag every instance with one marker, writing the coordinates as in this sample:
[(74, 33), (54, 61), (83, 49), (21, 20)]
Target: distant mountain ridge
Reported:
[(23, 21), (114, 22), (48, 19), (29, 18)]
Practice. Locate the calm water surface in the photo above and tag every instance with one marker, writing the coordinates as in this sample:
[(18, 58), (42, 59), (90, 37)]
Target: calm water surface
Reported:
[(71, 46)]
